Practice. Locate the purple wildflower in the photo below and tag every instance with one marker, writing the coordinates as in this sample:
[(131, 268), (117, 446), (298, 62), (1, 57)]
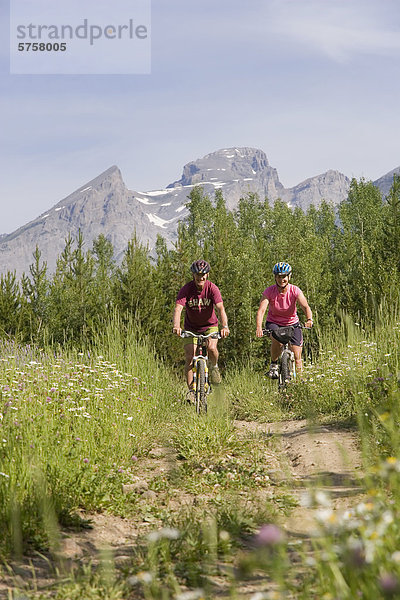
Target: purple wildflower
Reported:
[(389, 584), (269, 535)]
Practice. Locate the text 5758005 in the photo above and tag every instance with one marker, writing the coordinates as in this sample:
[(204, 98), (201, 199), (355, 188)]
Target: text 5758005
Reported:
[(42, 47)]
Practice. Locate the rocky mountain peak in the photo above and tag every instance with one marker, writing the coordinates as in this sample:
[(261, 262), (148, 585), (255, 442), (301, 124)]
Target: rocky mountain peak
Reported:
[(385, 182), (104, 205), (110, 179), (226, 164)]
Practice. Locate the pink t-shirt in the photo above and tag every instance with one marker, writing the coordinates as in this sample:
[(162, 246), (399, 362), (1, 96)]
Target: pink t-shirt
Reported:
[(282, 307), (199, 306)]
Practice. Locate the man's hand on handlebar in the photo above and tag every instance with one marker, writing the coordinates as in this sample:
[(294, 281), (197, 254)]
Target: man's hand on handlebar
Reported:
[(177, 331), (224, 331)]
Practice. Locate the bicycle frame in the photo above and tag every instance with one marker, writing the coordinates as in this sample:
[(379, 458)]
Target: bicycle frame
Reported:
[(287, 364), (201, 383), (200, 354)]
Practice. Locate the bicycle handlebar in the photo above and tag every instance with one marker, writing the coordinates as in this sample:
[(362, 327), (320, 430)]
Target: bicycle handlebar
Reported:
[(215, 335), (298, 325)]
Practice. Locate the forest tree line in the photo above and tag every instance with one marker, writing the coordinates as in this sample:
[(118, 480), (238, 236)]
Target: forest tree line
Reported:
[(345, 259)]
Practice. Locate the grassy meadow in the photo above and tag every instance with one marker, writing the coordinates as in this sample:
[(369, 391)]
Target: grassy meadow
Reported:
[(77, 432)]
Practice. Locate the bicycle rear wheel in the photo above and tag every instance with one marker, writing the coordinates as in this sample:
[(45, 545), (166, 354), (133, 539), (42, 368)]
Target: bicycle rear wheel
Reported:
[(201, 396)]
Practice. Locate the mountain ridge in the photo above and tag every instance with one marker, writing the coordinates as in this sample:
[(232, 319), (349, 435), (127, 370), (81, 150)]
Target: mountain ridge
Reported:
[(105, 205)]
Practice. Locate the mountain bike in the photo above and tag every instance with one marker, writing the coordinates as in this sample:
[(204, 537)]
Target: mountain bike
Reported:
[(286, 362), (201, 382)]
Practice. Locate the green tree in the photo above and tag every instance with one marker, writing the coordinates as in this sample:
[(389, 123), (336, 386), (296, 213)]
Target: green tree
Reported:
[(72, 304), (11, 306), (135, 290), (35, 289), (104, 272), (199, 220), (361, 277), (391, 229)]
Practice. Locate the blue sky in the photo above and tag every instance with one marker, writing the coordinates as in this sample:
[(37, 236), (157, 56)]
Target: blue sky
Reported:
[(313, 83)]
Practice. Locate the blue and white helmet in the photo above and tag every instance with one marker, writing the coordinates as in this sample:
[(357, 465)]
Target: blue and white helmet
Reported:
[(282, 268)]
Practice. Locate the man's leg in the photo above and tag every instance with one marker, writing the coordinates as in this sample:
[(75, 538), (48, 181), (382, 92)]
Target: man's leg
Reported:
[(215, 375), (189, 353), (213, 352)]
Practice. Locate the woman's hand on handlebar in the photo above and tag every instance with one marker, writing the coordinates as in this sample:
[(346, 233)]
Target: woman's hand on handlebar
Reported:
[(177, 331), (259, 332)]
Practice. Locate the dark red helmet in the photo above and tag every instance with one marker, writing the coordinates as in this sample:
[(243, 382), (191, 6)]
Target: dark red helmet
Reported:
[(200, 267)]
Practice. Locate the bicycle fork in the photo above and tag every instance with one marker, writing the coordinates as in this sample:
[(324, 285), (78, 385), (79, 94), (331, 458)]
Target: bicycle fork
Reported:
[(194, 369), (292, 363)]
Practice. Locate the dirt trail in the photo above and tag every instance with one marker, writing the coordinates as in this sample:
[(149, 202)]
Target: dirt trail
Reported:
[(325, 456)]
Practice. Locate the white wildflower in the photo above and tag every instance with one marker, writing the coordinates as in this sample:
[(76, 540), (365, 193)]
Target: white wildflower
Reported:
[(142, 577), (167, 533), (326, 517), (191, 595), (322, 498)]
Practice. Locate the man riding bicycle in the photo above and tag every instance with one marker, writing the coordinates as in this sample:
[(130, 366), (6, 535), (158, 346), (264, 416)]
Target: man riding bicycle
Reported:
[(281, 300), (199, 297)]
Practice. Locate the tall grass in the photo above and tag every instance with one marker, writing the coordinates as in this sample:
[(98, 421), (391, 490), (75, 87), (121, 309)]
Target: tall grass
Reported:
[(76, 425), (73, 426)]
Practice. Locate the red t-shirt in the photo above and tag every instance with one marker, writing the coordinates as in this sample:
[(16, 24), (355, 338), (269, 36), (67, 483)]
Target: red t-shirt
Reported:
[(199, 306)]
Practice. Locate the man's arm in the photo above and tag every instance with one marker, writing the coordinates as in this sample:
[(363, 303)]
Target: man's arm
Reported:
[(260, 316), (176, 319), (223, 319)]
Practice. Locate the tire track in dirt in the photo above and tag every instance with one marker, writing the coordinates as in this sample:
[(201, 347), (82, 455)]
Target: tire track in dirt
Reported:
[(302, 456), (326, 457)]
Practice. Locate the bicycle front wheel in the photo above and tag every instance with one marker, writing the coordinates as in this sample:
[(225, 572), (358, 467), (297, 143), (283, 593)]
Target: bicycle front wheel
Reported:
[(201, 396), (284, 375)]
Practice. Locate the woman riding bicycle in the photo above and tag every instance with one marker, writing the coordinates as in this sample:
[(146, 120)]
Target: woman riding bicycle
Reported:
[(281, 300), (199, 297)]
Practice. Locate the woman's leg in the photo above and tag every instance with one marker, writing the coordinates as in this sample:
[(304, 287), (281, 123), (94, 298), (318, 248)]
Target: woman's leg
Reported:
[(276, 349), (297, 350)]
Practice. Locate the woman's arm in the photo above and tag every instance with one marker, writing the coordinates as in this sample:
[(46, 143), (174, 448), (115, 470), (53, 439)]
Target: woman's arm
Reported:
[(260, 316), (306, 309)]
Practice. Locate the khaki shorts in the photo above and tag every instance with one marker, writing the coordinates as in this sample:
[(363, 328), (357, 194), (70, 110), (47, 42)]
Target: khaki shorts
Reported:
[(193, 340)]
